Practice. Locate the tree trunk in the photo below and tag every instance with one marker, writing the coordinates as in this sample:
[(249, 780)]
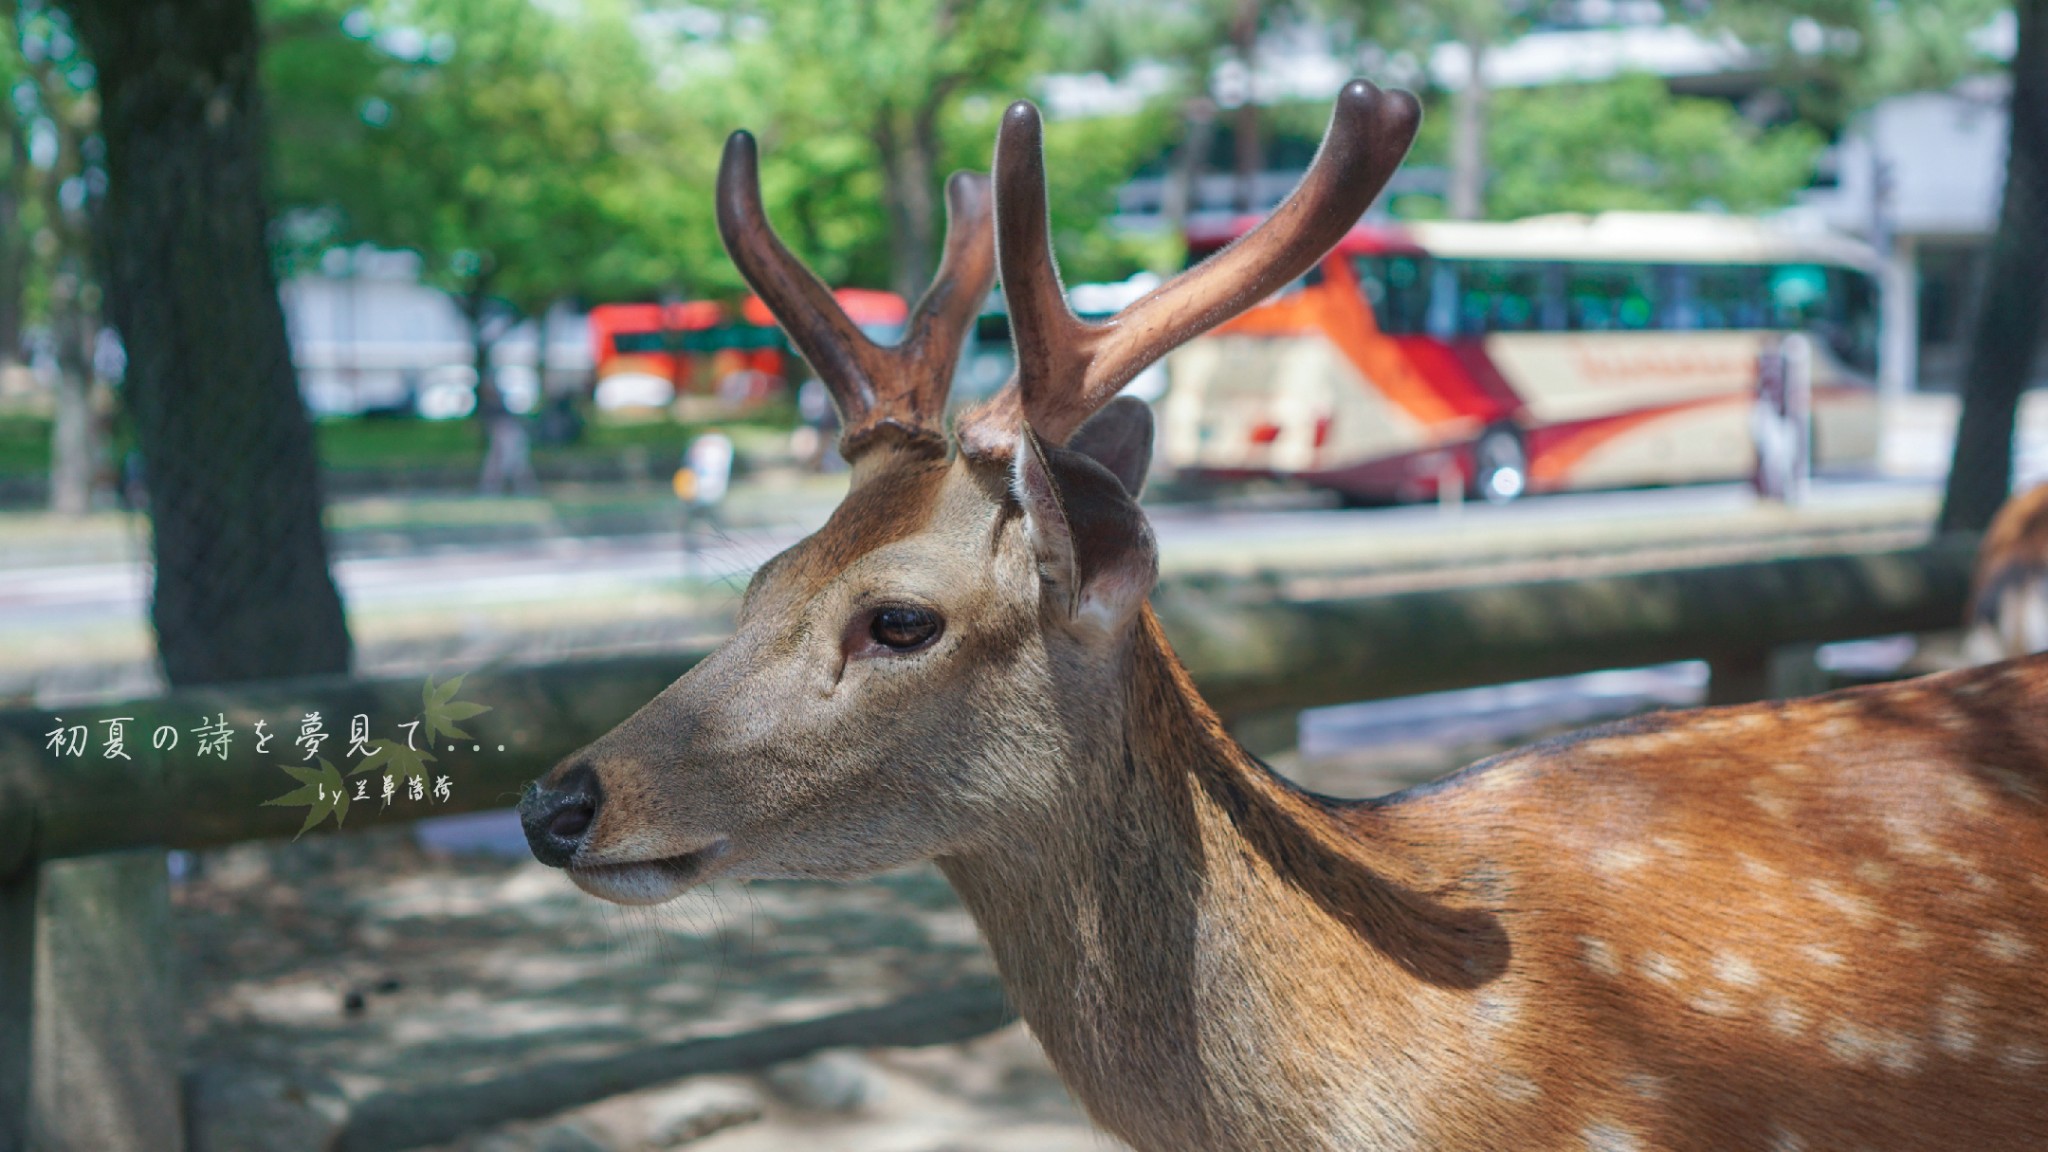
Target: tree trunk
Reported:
[(2010, 319), (909, 148), (1184, 180), (13, 257), (1467, 200), (74, 440), (1244, 38), (243, 589)]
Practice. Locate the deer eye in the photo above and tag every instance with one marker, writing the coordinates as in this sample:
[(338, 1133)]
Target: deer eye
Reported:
[(903, 628)]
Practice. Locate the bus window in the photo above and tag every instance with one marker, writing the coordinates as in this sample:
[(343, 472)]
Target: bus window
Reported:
[(1501, 296), (1397, 289), (1725, 296), (1851, 318), (1610, 297)]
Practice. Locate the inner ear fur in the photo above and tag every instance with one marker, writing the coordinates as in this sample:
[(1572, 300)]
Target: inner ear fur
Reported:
[(1120, 439), (1093, 545)]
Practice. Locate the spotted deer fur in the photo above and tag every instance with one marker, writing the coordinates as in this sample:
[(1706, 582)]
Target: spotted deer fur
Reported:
[(1816, 925)]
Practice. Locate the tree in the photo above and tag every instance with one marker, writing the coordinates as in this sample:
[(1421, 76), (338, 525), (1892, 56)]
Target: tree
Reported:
[(1632, 144), (243, 589), (1476, 27), (2015, 301), (1862, 50), (488, 136), (876, 81), (55, 99)]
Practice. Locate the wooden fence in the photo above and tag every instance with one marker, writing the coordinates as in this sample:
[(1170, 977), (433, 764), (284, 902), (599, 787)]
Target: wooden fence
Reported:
[(1257, 646)]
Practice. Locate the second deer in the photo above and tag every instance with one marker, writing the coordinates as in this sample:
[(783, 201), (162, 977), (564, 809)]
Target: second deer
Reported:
[(1804, 926)]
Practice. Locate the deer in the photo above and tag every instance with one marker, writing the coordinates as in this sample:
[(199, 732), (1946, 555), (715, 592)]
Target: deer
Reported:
[(1807, 925), (2008, 612)]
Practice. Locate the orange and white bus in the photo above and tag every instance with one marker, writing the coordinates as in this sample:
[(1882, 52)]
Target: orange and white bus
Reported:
[(647, 355), (1548, 354)]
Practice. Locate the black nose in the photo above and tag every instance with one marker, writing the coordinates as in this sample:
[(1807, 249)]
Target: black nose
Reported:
[(556, 819)]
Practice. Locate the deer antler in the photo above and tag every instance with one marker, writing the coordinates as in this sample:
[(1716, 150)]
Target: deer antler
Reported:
[(899, 390), (1067, 369)]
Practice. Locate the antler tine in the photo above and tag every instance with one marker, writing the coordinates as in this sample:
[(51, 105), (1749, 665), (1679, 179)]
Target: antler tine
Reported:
[(842, 356), (1068, 369), (1051, 344), (939, 324)]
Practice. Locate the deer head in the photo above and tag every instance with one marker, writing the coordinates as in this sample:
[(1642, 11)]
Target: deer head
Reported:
[(922, 674)]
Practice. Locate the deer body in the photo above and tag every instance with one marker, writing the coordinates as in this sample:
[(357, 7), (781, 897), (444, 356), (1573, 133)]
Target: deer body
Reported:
[(1806, 926)]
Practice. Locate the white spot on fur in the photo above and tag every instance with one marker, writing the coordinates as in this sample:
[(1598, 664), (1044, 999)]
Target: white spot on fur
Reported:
[(1787, 1018), (1515, 1089), (1644, 1085), (1714, 1002), (1875, 873), (1853, 907), (1610, 1137), (1912, 937), (1897, 1053), (1955, 1021), (1789, 768), (1662, 969), (1825, 957), (1494, 1011), (1758, 870), (1670, 846), (1599, 957), (1616, 861), (1730, 968), (1849, 1043), (2002, 944), (1783, 1141), (2023, 1057), (1767, 799)]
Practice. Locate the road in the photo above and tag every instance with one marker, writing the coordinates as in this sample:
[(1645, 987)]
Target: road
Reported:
[(593, 570)]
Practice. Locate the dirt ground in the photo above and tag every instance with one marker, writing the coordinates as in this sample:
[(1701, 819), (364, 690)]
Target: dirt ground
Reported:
[(321, 974)]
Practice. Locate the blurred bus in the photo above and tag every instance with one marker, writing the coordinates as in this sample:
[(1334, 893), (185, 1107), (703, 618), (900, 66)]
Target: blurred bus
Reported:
[(649, 355), (1549, 354)]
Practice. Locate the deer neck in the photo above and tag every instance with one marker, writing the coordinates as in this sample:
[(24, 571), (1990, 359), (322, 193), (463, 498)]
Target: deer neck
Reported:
[(1195, 942)]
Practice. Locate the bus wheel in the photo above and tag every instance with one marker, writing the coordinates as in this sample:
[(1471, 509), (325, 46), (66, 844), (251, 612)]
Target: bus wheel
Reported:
[(1500, 466)]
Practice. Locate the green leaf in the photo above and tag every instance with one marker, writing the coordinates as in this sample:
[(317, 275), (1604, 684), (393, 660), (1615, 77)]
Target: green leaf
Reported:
[(443, 710), (321, 792)]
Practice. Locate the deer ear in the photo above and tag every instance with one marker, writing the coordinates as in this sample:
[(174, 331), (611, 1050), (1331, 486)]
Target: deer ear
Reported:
[(1095, 554), (1120, 439)]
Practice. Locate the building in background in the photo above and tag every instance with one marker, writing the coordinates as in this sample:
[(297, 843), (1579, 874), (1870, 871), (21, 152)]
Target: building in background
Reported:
[(368, 337), (1920, 176)]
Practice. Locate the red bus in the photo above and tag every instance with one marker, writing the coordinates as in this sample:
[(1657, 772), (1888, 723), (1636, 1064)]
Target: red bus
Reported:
[(648, 355), (1548, 354)]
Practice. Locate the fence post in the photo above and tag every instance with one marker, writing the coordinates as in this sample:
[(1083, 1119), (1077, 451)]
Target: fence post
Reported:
[(17, 1003), (106, 1035)]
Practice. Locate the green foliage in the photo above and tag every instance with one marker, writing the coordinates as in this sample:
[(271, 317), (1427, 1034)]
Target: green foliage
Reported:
[(1834, 58), (1085, 162), (507, 145), (1627, 144), (321, 792)]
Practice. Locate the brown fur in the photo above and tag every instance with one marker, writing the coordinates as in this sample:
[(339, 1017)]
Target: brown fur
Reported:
[(1810, 925), (2008, 613), (1807, 926)]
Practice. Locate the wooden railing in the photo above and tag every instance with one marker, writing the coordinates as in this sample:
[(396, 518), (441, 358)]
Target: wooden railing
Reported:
[(1257, 646)]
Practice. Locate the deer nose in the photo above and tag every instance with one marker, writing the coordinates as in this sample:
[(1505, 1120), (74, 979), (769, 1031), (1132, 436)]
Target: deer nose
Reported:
[(556, 819)]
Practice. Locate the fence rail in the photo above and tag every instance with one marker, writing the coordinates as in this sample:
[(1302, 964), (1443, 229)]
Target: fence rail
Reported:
[(1255, 646)]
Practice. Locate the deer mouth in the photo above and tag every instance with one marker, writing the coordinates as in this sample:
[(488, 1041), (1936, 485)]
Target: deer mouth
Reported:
[(648, 881)]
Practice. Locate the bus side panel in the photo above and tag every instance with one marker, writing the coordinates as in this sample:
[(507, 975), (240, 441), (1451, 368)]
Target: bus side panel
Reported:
[(1566, 377), (1690, 441), (1262, 404)]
